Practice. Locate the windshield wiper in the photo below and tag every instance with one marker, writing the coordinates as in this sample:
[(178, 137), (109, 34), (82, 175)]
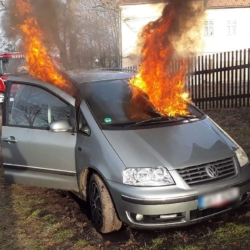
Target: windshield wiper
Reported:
[(162, 119), (188, 117), (152, 119)]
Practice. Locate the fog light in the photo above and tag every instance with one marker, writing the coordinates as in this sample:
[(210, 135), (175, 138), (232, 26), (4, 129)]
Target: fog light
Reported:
[(139, 217), (169, 216)]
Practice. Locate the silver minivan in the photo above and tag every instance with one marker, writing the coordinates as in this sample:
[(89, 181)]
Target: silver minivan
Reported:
[(131, 164)]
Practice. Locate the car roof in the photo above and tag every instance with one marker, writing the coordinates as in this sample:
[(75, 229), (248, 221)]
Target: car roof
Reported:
[(98, 75), (76, 77)]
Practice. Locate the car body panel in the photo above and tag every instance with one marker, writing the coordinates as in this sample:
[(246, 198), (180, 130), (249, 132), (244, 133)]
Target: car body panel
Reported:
[(96, 151), (97, 75), (174, 146), (40, 148), (37, 153), (156, 201)]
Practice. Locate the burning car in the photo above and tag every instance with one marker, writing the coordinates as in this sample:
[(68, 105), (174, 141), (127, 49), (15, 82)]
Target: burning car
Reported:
[(114, 150)]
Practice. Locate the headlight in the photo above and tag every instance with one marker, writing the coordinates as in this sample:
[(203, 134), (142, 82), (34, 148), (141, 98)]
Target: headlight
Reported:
[(242, 157), (158, 176)]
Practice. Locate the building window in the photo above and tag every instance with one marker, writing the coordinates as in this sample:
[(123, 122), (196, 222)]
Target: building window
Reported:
[(231, 27), (209, 28)]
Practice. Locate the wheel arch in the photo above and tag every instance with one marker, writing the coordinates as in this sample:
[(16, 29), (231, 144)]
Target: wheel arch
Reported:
[(84, 181)]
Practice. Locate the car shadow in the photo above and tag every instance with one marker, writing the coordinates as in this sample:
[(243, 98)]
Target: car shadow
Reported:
[(115, 238)]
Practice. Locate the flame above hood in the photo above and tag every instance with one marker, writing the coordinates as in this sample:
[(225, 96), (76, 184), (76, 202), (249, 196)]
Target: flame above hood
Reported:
[(165, 44)]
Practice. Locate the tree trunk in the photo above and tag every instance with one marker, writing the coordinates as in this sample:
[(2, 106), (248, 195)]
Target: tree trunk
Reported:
[(52, 23), (73, 36)]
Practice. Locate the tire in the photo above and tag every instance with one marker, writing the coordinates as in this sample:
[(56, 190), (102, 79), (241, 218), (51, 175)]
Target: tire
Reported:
[(103, 213)]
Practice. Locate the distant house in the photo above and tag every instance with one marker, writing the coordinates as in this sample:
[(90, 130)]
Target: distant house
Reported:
[(226, 28), (227, 25), (135, 15)]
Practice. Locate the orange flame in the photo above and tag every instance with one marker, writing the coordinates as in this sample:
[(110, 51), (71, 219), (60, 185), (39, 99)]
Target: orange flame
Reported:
[(165, 87), (39, 63)]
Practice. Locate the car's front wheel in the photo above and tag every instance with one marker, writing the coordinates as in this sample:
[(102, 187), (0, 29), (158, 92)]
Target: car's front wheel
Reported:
[(102, 209)]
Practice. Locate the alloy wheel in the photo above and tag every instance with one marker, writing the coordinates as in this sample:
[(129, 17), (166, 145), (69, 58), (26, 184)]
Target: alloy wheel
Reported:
[(95, 205)]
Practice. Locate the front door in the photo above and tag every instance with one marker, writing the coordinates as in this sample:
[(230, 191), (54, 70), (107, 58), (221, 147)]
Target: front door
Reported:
[(32, 154)]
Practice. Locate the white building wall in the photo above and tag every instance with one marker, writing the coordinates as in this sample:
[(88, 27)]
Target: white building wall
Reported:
[(133, 19), (220, 41)]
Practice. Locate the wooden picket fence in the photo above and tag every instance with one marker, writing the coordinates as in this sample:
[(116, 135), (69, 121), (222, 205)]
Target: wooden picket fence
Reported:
[(220, 80)]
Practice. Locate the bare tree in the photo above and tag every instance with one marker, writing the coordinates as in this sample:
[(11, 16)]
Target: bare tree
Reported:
[(2, 5), (81, 30), (6, 45)]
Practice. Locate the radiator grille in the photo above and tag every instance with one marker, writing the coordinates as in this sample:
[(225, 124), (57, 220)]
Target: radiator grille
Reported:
[(197, 175)]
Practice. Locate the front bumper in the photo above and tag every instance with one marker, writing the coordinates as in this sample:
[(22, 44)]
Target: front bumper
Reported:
[(165, 211)]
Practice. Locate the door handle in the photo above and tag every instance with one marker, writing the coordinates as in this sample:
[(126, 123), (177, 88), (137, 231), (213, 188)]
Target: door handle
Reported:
[(11, 139)]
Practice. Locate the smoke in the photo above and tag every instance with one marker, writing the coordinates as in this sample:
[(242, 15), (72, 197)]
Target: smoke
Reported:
[(179, 30), (186, 30)]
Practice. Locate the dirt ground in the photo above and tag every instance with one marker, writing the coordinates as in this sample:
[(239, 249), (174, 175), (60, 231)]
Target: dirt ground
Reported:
[(35, 218)]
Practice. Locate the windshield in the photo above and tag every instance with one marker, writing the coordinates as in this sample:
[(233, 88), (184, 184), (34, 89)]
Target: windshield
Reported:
[(12, 65), (112, 104)]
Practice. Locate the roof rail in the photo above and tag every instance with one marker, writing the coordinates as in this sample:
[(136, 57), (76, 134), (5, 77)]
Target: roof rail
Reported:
[(129, 69)]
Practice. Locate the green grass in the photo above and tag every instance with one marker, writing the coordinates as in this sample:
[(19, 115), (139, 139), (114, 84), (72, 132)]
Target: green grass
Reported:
[(50, 219), (63, 234), (3, 227), (230, 236), (158, 242), (21, 206), (187, 248), (35, 214), (81, 243), (35, 245), (3, 212)]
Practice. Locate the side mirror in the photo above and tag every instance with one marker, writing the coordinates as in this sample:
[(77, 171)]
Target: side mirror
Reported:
[(60, 126)]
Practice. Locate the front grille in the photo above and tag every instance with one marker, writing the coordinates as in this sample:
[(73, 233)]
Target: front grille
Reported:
[(197, 175)]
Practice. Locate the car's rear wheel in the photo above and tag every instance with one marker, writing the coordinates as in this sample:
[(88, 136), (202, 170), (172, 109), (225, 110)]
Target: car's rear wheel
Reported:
[(102, 209)]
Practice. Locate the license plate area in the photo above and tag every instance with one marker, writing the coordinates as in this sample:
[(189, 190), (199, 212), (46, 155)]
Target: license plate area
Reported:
[(218, 199)]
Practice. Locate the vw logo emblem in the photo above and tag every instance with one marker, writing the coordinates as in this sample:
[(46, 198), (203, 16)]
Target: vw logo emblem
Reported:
[(212, 171)]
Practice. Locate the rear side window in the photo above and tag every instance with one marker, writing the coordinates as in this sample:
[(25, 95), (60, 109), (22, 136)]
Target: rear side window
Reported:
[(31, 106)]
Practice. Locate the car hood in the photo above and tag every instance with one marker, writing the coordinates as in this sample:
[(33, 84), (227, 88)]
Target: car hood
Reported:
[(174, 146)]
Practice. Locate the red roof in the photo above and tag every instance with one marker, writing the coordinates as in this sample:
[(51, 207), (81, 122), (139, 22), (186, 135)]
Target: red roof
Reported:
[(228, 3), (132, 2), (210, 3)]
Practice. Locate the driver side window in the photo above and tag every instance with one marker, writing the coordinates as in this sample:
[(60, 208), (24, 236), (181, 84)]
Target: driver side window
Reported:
[(34, 107)]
